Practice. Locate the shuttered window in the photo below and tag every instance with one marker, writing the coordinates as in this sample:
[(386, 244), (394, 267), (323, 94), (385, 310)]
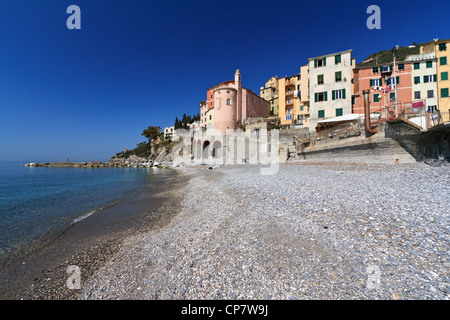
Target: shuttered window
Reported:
[(321, 114), (337, 59), (339, 112), (444, 75), (443, 61)]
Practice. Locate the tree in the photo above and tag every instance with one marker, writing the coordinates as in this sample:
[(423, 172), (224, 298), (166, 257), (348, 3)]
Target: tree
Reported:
[(151, 133)]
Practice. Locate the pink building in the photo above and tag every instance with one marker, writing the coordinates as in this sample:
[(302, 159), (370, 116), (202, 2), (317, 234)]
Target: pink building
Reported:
[(233, 104), (380, 80)]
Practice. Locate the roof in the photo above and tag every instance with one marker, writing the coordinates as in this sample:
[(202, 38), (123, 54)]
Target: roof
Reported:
[(347, 117), (331, 54)]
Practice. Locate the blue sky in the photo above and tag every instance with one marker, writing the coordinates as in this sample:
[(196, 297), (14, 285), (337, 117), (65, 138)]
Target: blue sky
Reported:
[(88, 94)]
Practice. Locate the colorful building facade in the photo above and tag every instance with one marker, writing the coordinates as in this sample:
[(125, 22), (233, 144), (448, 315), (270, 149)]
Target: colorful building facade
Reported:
[(330, 87)]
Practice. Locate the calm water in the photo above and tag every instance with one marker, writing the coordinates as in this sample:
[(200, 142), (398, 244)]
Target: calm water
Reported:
[(37, 203)]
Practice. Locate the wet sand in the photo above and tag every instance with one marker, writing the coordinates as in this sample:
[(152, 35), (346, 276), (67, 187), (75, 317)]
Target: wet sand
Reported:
[(90, 243)]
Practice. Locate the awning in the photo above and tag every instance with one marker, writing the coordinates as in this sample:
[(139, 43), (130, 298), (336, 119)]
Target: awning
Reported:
[(346, 118)]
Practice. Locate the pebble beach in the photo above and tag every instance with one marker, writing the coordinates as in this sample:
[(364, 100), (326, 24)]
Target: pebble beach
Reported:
[(310, 231)]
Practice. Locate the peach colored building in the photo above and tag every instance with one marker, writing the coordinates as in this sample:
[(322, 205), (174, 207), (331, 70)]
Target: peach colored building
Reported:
[(232, 104), (381, 82)]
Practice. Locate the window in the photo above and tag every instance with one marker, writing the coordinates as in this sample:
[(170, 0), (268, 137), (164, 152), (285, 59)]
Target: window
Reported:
[(444, 93), (228, 102), (301, 108), (430, 94), (443, 61), (429, 64), (321, 114), (210, 117), (376, 98), (385, 69), (392, 96), (211, 103), (320, 96), (442, 46), (376, 82), (338, 94), (401, 67), (320, 62), (339, 112), (289, 117), (395, 80), (338, 76), (444, 75), (353, 101), (431, 78), (337, 59), (417, 80), (375, 70), (432, 109), (320, 79), (416, 65), (211, 96), (416, 94)]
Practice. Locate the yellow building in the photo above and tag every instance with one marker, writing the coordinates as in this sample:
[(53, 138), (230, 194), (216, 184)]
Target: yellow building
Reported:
[(270, 93), (210, 118), (293, 100), (442, 50)]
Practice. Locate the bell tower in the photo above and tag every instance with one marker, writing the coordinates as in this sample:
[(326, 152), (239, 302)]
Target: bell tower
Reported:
[(238, 86)]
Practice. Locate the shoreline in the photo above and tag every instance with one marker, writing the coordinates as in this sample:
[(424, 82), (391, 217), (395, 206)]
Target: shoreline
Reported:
[(89, 243)]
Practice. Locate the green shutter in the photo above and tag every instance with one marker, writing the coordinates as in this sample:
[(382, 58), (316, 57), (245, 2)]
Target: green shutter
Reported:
[(321, 114), (371, 82), (315, 97), (434, 77), (339, 112), (375, 97), (333, 95), (417, 66), (375, 70), (381, 81), (324, 62), (315, 63), (443, 61), (429, 64), (343, 93), (425, 79), (325, 96), (444, 75), (442, 46), (417, 80), (337, 59), (444, 92), (397, 80)]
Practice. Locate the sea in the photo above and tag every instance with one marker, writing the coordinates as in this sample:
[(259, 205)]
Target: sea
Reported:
[(39, 203)]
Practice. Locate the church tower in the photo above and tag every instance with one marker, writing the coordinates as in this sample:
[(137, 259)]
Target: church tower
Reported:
[(238, 86)]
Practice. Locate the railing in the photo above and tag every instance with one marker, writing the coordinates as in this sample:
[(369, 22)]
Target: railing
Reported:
[(335, 133), (415, 112)]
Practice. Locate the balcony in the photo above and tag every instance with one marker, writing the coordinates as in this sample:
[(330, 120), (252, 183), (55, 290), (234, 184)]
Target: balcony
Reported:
[(289, 83), (289, 93)]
